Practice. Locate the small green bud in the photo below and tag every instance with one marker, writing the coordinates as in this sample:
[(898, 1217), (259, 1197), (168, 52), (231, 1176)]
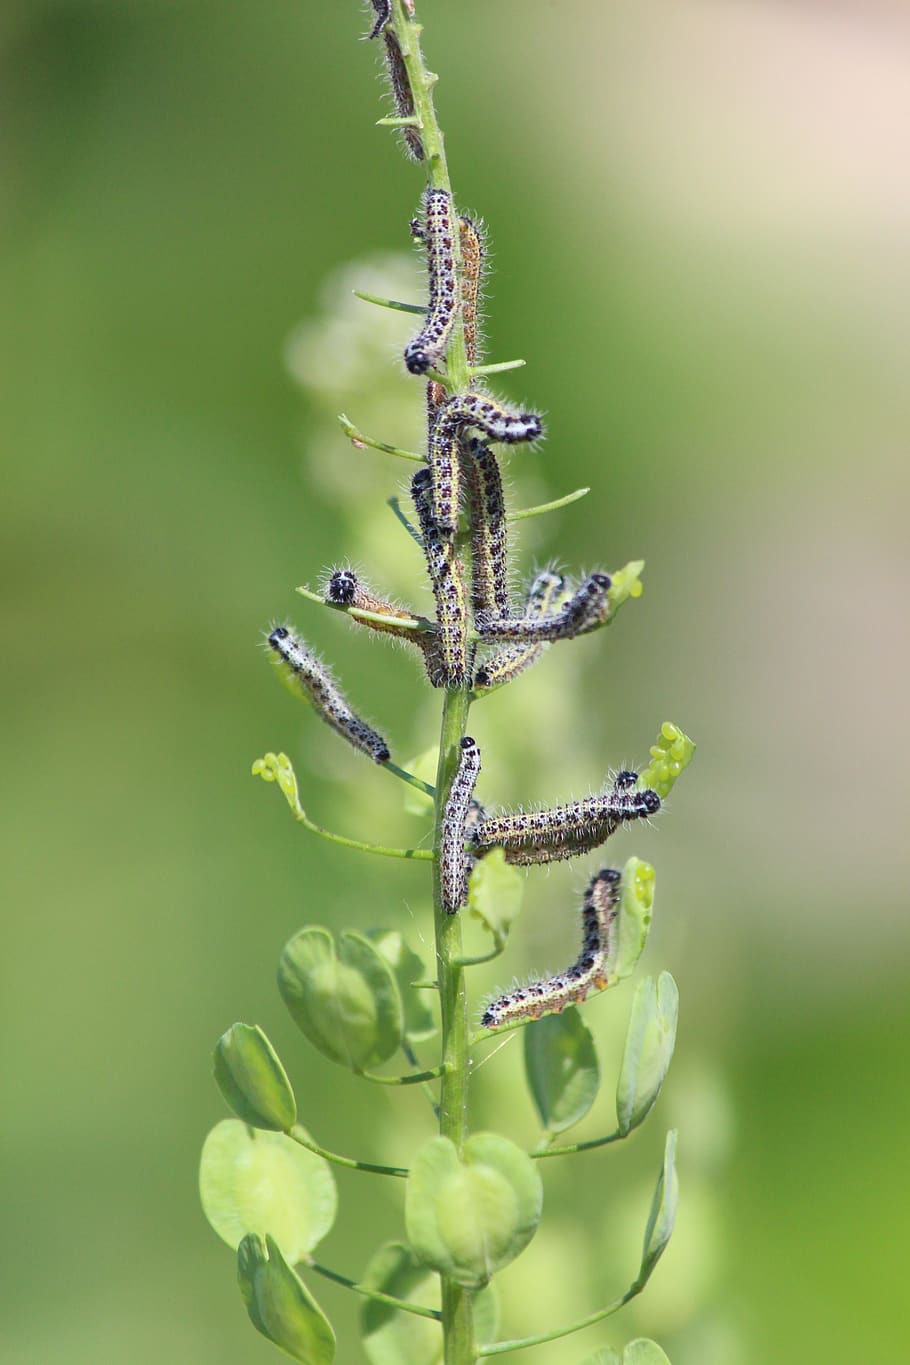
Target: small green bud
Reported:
[(252, 1080), (671, 753), (279, 1304)]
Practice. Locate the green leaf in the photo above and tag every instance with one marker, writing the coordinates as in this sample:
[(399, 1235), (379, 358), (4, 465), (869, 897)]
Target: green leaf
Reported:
[(419, 1023), (672, 752), (252, 1079), (279, 1304), (391, 1337), (650, 1039), (605, 1356), (633, 922), (495, 892), (562, 1068), (663, 1211), (644, 1352), (469, 1217), (255, 1181), (423, 766), (346, 1003)]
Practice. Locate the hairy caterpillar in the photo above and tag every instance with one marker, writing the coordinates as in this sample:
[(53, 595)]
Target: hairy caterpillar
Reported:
[(584, 610), (344, 589), (383, 9), (473, 253), (445, 472), (489, 551), (427, 348), (459, 812), (316, 681), (399, 83), (545, 595), (480, 411), (551, 835), (449, 664), (587, 973)]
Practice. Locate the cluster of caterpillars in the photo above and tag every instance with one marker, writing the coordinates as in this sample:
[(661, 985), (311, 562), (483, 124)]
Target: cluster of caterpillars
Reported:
[(480, 639)]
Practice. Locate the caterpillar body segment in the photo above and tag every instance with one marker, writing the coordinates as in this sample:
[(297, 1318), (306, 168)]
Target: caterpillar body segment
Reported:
[(582, 612), (545, 596), (427, 349), (589, 971), (489, 544), (447, 663), (322, 691), (453, 859)]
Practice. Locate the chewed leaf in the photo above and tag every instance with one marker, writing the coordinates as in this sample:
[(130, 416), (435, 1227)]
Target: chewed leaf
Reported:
[(562, 1068), (495, 893), (252, 1080), (346, 1002), (255, 1181), (469, 1216), (280, 1305), (672, 752), (419, 1023), (650, 1039)]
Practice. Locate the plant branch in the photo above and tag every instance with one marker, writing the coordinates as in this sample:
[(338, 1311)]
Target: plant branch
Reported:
[(498, 1348), (578, 1146), (297, 1134), (398, 306), (401, 1304), (362, 442)]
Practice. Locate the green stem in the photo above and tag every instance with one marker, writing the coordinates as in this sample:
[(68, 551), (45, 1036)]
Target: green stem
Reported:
[(297, 1134), (414, 855), (499, 367), (413, 1078), (401, 1304), (358, 439), (524, 512), (457, 1306), (578, 1146), (395, 304), (499, 1348)]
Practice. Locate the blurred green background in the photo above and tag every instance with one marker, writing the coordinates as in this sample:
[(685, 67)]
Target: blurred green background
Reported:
[(699, 214)]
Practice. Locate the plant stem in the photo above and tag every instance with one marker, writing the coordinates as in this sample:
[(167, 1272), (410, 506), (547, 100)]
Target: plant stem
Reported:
[(457, 1306), (297, 1134), (499, 1348), (401, 1304)]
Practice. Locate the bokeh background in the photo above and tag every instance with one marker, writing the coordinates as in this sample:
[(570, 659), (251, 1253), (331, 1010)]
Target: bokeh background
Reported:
[(700, 214)]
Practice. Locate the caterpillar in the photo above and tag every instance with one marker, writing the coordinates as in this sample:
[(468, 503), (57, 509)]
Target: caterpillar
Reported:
[(585, 609), (427, 348), (383, 9), (445, 472), (545, 596), (399, 83), (458, 813), (480, 411), (473, 253), (315, 680), (448, 664), (560, 832), (489, 550), (589, 971), (344, 589)]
